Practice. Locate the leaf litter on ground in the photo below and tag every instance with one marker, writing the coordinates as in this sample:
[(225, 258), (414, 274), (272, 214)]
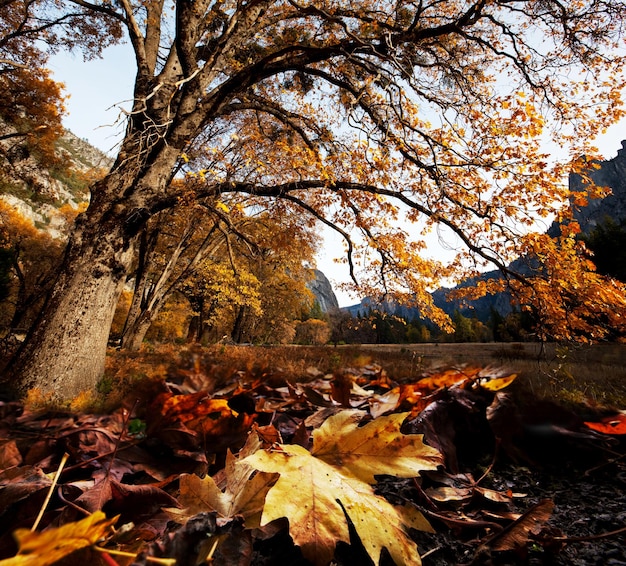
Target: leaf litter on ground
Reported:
[(217, 476)]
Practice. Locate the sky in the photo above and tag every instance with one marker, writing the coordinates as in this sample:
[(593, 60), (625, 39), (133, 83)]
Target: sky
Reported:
[(100, 90)]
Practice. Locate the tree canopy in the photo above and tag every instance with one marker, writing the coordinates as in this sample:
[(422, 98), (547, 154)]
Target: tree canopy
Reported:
[(379, 119)]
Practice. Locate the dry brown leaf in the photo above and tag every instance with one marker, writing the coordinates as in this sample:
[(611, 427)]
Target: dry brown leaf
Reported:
[(9, 455), (244, 494), (516, 534)]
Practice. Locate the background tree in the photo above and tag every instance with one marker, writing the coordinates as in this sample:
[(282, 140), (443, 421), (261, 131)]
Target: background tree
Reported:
[(171, 245), (312, 332), (32, 257), (360, 115), (253, 293), (607, 242)]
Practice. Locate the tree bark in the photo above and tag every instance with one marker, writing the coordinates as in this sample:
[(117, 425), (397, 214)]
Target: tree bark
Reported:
[(134, 335), (64, 353)]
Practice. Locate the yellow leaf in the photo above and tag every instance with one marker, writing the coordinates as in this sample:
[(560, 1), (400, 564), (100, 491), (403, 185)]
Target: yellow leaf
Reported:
[(376, 448), (308, 493), (316, 490), (498, 383), (221, 206), (43, 549)]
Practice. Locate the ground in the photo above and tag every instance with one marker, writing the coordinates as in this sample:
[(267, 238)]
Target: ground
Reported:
[(525, 480)]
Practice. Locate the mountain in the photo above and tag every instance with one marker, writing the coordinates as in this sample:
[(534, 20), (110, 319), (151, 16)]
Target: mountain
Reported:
[(610, 173), (322, 289), (39, 190)]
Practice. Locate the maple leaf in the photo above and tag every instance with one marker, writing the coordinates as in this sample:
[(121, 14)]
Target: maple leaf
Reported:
[(244, 493), (42, 549), (316, 490), (376, 448)]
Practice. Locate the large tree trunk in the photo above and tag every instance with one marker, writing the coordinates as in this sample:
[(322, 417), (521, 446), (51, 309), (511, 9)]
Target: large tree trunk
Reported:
[(64, 353)]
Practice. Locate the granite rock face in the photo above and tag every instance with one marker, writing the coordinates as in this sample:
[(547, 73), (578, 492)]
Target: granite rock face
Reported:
[(323, 291), (611, 174)]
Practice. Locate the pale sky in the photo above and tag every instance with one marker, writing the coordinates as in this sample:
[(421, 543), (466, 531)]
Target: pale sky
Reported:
[(101, 89)]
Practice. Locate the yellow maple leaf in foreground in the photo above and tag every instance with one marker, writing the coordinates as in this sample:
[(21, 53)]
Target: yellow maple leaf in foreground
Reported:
[(47, 547), (314, 488), (375, 448)]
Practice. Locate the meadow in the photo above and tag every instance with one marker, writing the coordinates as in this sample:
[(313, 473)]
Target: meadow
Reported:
[(576, 374)]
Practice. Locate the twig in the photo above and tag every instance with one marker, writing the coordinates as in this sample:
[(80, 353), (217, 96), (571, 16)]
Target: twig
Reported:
[(153, 559), (102, 456), (463, 522), (49, 496), (431, 551), (493, 462), (71, 503), (607, 463), (587, 538)]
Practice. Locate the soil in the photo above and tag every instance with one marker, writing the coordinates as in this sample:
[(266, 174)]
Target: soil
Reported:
[(586, 507)]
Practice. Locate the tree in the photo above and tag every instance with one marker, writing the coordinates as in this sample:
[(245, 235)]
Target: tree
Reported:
[(172, 244), (31, 102), (359, 114), (255, 291), (607, 242), (312, 332), (32, 257)]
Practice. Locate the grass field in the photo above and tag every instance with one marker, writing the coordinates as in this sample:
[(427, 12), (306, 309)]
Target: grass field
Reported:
[(593, 375)]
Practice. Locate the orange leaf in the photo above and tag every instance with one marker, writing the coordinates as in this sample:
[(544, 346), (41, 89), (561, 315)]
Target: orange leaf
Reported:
[(615, 424)]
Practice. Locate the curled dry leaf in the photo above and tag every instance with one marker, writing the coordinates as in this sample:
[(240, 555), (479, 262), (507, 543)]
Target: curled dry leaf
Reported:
[(516, 535), (243, 495)]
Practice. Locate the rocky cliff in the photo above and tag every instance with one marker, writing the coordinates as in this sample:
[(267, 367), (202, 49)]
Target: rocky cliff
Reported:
[(611, 174), (323, 291), (38, 191)]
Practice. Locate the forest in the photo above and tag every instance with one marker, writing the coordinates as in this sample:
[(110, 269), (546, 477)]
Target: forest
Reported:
[(171, 389)]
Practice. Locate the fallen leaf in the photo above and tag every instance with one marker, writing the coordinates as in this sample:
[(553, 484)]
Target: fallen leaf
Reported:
[(375, 448), (244, 493), (381, 404), (497, 383), (344, 460), (516, 535), (45, 548), (217, 424), (614, 424), (307, 493), (9, 455)]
